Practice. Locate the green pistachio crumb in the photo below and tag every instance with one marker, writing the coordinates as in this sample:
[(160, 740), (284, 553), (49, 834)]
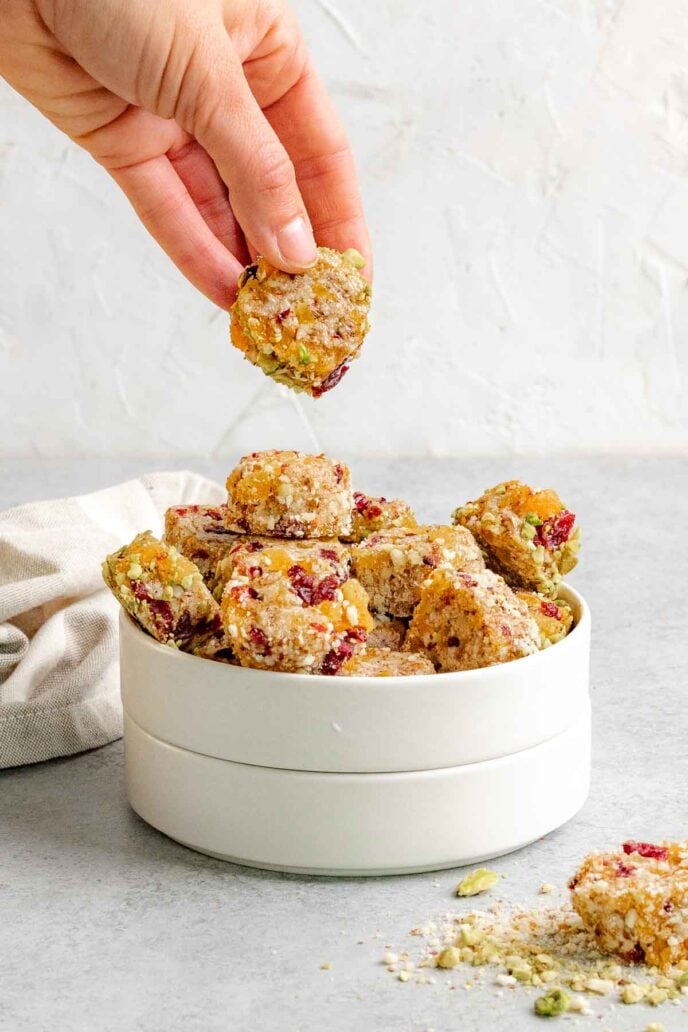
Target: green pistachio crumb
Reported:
[(450, 957), (682, 980), (552, 1004), (477, 881), (304, 355), (354, 256), (533, 519)]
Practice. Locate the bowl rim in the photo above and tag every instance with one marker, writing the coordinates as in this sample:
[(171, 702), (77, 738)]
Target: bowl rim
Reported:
[(573, 639)]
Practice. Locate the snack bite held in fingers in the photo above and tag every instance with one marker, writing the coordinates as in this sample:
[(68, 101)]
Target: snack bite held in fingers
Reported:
[(303, 329)]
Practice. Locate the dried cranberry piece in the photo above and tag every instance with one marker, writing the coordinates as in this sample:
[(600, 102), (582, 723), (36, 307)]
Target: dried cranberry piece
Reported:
[(635, 955), (646, 849), (140, 591), (549, 609), (281, 316), (431, 561), (242, 524), (556, 530), (163, 616), (356, 634), (624, 870), (325, 590), (319, 627), (213, 514), (302, 583), (212, 528), (506, 630), (330, 555), (668, 907), (200, 553), (181, 510), (259, 639), (370, 508), (453, 642), (216, 622), (242, 591), (255, 571), (336, 657), (330, 381), (339, 472), (183, 628)]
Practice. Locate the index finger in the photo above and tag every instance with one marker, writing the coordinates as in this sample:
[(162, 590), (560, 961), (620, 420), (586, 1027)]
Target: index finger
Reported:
[(310, 131)]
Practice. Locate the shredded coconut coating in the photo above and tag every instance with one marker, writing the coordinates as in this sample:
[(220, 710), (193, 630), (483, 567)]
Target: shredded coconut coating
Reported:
[(289, 494), (378, 662), (527, 536), (303, 329), (392, 565), (389, 632), (373, 514), (635, 901), (298, 617), (554, 618), (163, 591), (199, 533), (469, 620)]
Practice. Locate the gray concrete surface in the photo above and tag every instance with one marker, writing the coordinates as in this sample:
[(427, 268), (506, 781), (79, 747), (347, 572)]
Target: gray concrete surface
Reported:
[(107, 926)]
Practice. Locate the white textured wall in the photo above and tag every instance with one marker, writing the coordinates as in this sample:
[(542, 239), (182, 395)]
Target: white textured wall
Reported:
[(525, 171)]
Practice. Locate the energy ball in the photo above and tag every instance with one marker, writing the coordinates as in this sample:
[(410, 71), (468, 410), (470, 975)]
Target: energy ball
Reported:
[(554, 618), (372, 514), (389, 632), (289, 494), (635, 901), (163, 591), (303, 329), (199, 533), (296, 620), (386, 663), (392, 565), (528, 536), (469, 620)]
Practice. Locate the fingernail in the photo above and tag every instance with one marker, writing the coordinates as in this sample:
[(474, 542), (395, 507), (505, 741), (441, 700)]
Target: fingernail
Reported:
[(296, 244)]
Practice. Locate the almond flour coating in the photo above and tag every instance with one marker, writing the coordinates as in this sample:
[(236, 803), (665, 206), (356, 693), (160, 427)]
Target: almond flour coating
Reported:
[(469, 620), (386, 663), (295, 620), (392, 565), (253, 556), (303, 329), (163, 591), (372, 514), (528, 536), (199, 533), (635, 901), (389, 632), (554, 618), (289, 494)]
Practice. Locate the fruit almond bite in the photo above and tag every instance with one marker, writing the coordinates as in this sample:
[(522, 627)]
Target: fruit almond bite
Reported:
[(392, 565), (469, 620), (554, 618), (635, 901), (328, 560), (289, 494), (304, 617), (199, 533), (372, 514), (527, 536), (303, 329), (163, 591), (386, 663)]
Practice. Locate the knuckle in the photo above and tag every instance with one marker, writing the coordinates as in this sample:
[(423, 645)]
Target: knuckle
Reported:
[(273, 172)]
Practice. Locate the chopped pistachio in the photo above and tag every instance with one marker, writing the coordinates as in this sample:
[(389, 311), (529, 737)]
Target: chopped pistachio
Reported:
[(528, 531), (404, 976), (632, 993), (533, 519), (354, 256), (655, 996), (304, 355), (450, 957), (187, 581), (477, 881), (135, 570), (682, 980), (469, 935), (553, 1003)]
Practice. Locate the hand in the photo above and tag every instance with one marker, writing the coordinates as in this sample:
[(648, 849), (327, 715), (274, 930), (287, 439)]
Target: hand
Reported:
[(207, 113)]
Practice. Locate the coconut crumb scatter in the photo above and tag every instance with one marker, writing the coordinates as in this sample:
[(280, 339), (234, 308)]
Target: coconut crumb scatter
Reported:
[(544, 952)]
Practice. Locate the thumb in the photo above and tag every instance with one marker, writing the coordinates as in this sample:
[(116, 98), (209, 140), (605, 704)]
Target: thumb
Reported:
[(255, 167)]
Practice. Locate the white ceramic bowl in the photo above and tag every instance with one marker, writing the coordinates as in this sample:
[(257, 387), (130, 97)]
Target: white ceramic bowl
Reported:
[(333, 775), (354, 724)]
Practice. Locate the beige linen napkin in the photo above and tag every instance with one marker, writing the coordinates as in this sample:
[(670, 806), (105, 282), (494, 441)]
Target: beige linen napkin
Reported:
[(59, 683)]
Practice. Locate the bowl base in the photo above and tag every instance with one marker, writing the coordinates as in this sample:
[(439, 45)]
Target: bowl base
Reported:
[(358, 824)]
